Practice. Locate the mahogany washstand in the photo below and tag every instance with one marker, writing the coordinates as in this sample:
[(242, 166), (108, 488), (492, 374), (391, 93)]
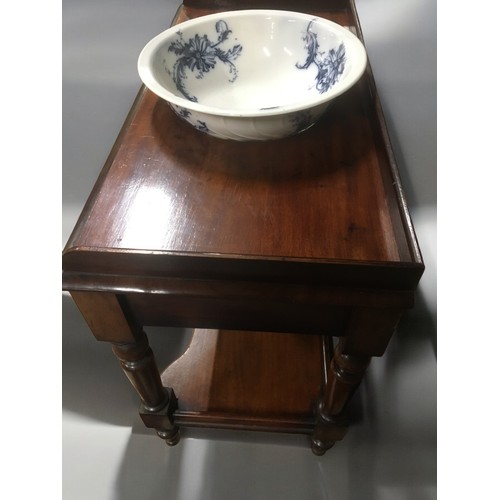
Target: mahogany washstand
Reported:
[(269, 250)]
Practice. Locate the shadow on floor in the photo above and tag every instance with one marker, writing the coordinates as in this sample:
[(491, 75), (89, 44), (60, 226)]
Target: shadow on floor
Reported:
[(388, 453)]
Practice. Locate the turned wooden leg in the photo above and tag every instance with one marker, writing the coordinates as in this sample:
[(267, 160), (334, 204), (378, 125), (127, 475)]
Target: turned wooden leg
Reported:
[(109, 320), (344, 376), (158, 403), (139, 365), (367, 335)]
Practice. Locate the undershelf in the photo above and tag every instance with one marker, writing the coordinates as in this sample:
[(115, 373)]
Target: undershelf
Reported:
[(249, 380)]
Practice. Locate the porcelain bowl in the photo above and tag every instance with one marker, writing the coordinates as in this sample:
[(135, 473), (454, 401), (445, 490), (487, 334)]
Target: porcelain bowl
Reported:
[(252, 74)]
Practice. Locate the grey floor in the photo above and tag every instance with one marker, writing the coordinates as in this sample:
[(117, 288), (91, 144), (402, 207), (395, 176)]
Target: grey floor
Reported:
[(390, 450)]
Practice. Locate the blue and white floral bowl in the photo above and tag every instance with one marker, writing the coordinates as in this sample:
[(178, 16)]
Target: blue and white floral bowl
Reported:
[(252, 74)]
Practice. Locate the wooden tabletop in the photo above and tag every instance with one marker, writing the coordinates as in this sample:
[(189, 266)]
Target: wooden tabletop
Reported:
[(323, 206)]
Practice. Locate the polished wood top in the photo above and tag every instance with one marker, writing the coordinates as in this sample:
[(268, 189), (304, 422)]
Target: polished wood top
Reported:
[(174, 201)]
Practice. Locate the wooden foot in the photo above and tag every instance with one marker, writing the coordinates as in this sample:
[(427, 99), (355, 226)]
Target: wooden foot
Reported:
[(171, 437), (319, 448)]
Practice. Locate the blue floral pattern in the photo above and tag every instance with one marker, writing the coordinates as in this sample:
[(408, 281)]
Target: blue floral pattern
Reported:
[(186, 115), (199, 55), (330, 64)]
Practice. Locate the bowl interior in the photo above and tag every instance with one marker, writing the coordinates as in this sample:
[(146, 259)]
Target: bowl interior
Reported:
[(253, 62)]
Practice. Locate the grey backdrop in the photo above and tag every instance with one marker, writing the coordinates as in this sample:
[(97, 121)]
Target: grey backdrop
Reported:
[(390, 451)]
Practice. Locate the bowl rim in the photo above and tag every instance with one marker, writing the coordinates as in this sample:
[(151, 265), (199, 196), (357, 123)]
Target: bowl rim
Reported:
[(144, 65)]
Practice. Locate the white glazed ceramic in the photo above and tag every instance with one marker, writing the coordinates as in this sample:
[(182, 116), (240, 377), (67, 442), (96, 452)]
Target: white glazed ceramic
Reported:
[(252, 74)]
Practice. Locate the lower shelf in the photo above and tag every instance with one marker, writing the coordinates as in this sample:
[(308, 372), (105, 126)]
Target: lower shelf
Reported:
[(249, 380)]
